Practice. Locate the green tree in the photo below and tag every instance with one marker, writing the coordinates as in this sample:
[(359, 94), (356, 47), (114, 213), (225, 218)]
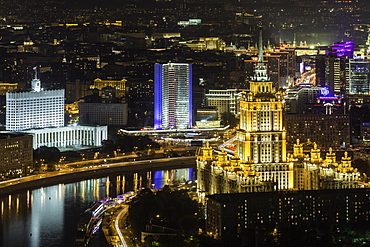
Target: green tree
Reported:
[(47, 154), (362, 166), (174, 208), (229, 119)]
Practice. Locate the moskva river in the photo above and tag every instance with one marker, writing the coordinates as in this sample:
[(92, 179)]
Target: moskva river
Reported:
[(48, 216)]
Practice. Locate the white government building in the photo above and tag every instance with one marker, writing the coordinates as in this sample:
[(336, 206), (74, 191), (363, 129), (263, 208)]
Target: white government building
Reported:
[(40, 113), (68, 136), (34, 109)]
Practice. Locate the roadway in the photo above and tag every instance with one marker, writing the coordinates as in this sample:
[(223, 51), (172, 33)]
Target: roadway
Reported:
[(120, 215), (68, 174)]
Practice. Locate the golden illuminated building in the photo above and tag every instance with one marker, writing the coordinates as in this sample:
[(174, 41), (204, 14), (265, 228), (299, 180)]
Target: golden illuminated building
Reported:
[(6, 87), (261, 162), (120, 86), (207, 43)]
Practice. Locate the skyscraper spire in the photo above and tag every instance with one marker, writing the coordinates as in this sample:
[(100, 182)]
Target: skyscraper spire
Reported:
[(260, 71), (260, 48)]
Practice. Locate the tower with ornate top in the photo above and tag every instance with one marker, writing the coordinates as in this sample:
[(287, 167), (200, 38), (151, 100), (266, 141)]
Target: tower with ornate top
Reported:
[(262, 137)]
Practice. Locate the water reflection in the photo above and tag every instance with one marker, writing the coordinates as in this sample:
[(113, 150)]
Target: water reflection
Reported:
[(48, 216)]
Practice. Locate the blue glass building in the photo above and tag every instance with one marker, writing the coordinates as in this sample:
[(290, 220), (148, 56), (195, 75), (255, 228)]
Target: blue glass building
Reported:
[(173, 96)]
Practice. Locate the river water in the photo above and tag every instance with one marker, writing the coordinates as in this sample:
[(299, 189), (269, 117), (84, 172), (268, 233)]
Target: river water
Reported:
[(48, 216)]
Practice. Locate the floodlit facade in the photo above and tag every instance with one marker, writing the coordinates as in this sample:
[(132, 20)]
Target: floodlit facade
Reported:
[(69, 136), (120, 86), (173, 96), (40, 113), (261, 162), (34, 109)]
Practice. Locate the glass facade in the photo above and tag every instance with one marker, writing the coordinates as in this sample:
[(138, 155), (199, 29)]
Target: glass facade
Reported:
[(172, 96), (358, 76)]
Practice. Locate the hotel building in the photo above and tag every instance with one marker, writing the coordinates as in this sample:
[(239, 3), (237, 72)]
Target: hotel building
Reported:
[(260, 162)]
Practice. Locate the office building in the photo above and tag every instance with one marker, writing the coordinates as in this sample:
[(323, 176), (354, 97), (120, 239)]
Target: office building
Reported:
[(328, 70), (343, 49), (301, 98), (207, 117), (173, 96), (311, 113), (40, 113), (69, 136), (224, 100), (37, 108), (112, 114), (357, 76), (77, 89), (16, 152)]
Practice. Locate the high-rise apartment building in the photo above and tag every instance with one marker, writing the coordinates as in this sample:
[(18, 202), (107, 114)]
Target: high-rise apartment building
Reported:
[(34, 109), (287, 218), (173, 96)]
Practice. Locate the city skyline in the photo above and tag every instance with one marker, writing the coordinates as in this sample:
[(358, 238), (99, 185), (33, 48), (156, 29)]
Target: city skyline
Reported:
[(268, 99)]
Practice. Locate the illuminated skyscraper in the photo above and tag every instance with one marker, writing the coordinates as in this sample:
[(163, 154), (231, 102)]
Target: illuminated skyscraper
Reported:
[(261, 138), (357, 76), (34, 109), (173, 96), (328, 73), (260, 162)]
